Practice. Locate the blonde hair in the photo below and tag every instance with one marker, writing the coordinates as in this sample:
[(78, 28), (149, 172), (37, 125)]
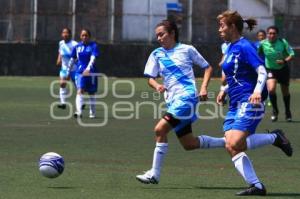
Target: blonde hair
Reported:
[(233, 17)]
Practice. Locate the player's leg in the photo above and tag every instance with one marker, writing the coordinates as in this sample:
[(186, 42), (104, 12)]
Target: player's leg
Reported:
[(92, 89), (63, 92), (153, 175), (271, 84), (236, 145), (80, 85)]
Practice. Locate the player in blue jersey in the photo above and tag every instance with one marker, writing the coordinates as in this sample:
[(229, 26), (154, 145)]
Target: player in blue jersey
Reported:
[(174, 62), (66, 46), (246, 77), (85, 53)]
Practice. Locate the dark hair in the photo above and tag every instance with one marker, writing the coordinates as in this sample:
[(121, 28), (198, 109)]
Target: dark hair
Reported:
[(170, 26), (273, 28), (86, 30), (261, 31), (68, 30), (233, 17)]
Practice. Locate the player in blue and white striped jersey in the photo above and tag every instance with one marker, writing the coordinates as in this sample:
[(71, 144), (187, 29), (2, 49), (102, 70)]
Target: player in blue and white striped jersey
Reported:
[(174, 62), (66, 46)]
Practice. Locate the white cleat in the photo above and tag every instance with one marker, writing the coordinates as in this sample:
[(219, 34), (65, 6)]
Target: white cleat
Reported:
[(92, 115), (147, 178)]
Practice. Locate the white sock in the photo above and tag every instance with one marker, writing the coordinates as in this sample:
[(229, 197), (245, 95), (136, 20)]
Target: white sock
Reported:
[(92, 104), (62, 94), (79, 102), (207, 142), (243, 164), (159, 153), (258, 140)]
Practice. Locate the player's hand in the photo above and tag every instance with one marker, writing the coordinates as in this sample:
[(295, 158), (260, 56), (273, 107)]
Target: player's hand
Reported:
[(280, 61), (255, 98), (221, 98), (86, 72), (160, 88), (203, 94)]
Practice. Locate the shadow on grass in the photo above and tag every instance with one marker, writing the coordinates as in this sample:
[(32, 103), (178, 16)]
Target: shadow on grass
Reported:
[(295, 195), (62, 187), (195, 187)]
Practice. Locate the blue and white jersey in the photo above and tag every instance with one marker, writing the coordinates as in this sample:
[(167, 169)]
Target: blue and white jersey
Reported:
[(83, 52), (224, 47), (240, 63), (176, 67), (65, 51)]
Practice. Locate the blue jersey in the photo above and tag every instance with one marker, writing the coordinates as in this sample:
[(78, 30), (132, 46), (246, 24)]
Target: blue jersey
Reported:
[(83, 52), (240, 63)]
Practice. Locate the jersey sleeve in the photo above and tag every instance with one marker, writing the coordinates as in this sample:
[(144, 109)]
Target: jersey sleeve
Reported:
[(74, 54), (251, 56), (152, 67), (95, 51), (288, 48), (197, 58)]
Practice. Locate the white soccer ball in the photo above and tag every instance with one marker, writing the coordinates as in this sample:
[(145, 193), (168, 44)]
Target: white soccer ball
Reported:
[(51, 165)]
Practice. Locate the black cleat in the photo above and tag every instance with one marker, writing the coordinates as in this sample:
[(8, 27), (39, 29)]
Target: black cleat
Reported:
[(253, 191), (62, 106), (274, 116), (83, 107), (282, 142), (77, 115), (288, 117)]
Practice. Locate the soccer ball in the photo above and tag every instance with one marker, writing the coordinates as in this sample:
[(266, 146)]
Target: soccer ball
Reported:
[(51, 165)]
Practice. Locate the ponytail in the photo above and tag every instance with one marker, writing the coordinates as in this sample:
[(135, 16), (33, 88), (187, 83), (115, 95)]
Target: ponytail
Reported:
[(251, 23)]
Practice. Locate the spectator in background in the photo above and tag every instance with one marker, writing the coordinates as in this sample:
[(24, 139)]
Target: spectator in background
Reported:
[(278, 54)]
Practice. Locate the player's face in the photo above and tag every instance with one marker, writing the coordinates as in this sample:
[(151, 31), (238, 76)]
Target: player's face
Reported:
[(261, 36), (164, 38), (65, 35), (272, 35), (84, 36), (224, 30)]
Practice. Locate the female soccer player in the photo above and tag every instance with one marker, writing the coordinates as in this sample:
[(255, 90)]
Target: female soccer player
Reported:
[(174, 62), (246, 77), (277, 54), (260, 36), (85, 53), (66, 46)]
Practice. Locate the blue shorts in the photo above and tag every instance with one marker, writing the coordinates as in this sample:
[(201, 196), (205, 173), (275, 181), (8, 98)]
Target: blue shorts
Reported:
[(245, 118), (183, 110), (64, 74), (87, 83)]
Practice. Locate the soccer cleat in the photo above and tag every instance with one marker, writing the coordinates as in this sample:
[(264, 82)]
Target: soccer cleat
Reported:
[(282, 142), (147, 178), (288, 117), (77, 115), (62, 106), (274, 116), (92, 115), (83, 107), (253, 191)]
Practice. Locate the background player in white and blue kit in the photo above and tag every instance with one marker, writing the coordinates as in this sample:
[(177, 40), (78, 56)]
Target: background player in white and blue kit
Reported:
[(246, 77), (86, 80), (66, 46), (174, 62)]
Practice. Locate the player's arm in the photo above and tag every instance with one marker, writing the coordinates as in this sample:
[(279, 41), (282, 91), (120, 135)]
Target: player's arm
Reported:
[(95, 53), (157, 86), (223, 90), (204, 85), (255, 98), (58, 60)]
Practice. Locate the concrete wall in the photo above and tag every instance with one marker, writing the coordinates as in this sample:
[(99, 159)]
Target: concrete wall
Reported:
[(126, 60)]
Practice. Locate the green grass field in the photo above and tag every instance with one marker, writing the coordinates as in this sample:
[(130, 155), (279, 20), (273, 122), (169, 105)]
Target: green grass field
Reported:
[(101, 162)]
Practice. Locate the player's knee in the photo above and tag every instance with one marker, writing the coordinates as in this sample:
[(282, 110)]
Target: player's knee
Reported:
[(233, 147)]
